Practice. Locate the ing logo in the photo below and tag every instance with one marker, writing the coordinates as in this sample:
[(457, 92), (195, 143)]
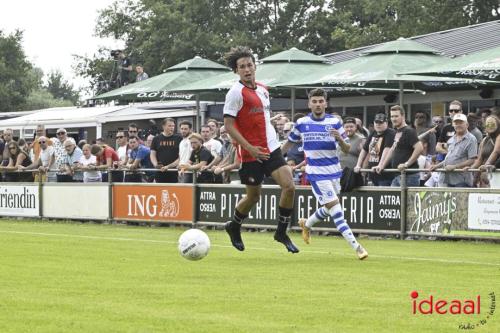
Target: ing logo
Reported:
[(169, 204)]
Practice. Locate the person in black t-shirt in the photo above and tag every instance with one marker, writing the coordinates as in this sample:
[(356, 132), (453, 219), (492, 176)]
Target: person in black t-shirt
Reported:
[(375, 150), (406, 148), (125, 67), (165, 152), (200, 156)]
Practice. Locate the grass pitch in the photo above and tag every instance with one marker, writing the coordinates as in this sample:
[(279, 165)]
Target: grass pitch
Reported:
[(70, 277)]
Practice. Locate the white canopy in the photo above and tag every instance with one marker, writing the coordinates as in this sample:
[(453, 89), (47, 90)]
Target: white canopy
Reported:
[(96, 116)]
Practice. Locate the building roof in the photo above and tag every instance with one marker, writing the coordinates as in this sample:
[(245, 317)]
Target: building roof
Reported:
[(71, 117), (451, 43)]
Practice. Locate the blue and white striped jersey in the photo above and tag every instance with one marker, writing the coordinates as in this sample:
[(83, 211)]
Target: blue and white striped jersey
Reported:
[(320, 146)]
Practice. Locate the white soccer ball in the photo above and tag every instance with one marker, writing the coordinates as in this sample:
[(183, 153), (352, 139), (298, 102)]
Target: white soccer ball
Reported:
[(194, 244)]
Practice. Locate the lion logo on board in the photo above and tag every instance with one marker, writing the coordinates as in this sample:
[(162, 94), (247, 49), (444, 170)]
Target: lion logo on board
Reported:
[(169, 204)]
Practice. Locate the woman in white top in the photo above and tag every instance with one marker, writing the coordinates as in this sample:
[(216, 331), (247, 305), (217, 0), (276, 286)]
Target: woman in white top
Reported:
[(88, 164)]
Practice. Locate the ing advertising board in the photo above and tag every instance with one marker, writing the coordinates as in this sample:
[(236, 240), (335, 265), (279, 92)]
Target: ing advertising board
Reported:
[(153, 203)]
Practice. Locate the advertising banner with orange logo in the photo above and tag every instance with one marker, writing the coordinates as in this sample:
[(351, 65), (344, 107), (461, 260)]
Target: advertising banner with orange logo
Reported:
[(153, 202)]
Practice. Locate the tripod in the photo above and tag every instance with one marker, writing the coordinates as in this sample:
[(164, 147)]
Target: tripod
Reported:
[(115, 77)]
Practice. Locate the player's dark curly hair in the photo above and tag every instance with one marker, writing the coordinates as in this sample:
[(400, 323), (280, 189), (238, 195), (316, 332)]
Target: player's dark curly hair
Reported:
[(317, 92), (236, 53)]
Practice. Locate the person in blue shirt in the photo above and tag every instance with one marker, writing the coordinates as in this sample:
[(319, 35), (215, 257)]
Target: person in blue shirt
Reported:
[(138, 158)]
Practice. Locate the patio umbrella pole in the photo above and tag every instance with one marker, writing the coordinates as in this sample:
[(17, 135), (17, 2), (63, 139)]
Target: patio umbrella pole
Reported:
[(292, 100), (198, 112), (401, 94)]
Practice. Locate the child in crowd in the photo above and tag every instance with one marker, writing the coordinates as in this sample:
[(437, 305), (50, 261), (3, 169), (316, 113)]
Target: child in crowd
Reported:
[(87, 164)]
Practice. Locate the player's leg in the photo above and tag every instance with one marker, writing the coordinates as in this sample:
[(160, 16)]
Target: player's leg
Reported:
[(284, 178), (337, 214), (319, 215), (251, 175)]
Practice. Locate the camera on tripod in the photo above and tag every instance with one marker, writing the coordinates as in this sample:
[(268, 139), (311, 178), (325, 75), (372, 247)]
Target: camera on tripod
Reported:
[(116, 54)]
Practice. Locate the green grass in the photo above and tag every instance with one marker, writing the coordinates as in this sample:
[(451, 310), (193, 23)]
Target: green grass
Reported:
[(70, 277), (476, 233)]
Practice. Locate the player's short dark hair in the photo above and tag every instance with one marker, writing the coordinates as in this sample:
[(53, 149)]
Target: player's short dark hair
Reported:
[(236, 53), (318, 92), (166, 120), (185, 122)]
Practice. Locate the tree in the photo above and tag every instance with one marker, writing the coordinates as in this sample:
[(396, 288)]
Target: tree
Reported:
[(162, 33), (60, 88), (16, 81), (100, 69), (40, 98)]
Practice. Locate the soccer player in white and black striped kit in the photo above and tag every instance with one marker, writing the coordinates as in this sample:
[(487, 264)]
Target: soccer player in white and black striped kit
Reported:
[(321, 135)]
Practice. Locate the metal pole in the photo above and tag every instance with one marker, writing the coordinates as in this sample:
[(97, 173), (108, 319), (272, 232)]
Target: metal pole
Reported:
[(404, 204), (40, 193), (195, 200), (292, 100), (110, 197), (401, 94), (198, 112)]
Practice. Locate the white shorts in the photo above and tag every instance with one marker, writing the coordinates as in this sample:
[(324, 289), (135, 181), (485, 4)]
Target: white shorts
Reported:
[(326, 191)]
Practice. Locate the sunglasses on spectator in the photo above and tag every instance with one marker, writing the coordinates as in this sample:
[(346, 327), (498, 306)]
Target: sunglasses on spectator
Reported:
[(454, 110), (420, 117), (132, 131), (119, 136), (42, 142), (437, 121), (61, 133), (12, 148)]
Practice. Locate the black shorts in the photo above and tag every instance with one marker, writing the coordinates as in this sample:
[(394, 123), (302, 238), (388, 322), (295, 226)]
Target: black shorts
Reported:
[(252, 173)]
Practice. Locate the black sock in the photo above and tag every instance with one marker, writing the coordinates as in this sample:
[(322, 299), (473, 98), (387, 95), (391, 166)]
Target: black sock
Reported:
[(284, 219), (238, 217)]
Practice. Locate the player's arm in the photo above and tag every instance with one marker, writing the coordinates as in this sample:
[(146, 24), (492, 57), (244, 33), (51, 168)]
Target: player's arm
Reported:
[(257, 152)]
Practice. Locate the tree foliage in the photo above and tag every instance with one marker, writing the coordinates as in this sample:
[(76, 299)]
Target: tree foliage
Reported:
[(60, 88), (16, 78), (162, 33)]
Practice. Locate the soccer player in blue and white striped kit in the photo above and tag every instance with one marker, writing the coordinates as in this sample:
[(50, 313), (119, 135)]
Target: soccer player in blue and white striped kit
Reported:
[(322, 134)]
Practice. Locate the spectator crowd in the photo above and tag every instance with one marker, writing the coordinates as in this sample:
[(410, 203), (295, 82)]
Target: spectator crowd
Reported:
[(429, 149)]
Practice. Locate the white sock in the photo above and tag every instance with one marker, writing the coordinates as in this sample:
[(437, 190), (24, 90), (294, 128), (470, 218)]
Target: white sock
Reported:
[(343, 227), (319, 215)]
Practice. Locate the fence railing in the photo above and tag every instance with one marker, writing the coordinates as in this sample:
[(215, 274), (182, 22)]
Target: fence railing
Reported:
[(465, 213)]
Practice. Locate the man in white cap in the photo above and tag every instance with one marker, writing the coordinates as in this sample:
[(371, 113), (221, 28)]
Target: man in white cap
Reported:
[(59, 151), (462, 151)]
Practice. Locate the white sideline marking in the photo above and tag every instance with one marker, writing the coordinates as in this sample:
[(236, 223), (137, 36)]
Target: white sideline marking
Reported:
[(447, 261)]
